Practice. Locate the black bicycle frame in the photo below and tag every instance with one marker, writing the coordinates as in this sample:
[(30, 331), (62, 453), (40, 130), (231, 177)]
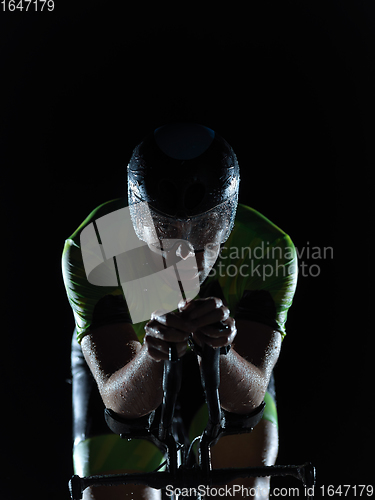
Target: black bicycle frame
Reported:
[(158, 428)]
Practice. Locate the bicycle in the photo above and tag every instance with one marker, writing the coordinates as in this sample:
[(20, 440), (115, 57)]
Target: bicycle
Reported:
[(159, 428)]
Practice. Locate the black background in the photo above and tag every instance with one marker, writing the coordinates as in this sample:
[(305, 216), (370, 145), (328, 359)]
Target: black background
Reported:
[(289, 86)]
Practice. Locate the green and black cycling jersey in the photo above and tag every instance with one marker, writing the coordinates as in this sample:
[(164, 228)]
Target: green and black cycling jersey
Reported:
[(256, 275)]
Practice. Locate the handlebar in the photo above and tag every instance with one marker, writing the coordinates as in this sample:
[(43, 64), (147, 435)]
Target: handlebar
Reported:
[(192, 478)]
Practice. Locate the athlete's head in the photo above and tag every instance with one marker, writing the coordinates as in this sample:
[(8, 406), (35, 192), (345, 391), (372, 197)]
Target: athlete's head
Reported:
[(189, 177)]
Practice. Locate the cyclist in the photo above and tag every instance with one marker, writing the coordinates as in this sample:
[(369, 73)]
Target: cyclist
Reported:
[(246, 270)]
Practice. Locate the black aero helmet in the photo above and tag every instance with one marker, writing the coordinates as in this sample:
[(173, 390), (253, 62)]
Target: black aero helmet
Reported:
[(183, 183), (182, 170)]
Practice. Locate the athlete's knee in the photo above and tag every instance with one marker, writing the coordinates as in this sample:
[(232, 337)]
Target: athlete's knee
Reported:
[(256, 449), (260, 447)]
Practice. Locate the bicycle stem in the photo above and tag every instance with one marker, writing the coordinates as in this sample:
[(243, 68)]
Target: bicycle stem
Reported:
[(172, 376), (210, 376)]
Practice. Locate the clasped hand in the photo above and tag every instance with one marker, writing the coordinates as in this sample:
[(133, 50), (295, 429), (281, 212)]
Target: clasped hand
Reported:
[(197, 318)]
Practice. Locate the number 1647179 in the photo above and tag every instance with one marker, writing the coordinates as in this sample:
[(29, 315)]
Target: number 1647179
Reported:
[(27, 5)]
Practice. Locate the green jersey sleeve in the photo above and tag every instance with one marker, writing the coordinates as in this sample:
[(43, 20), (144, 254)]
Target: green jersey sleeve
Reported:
[(258, 270), (92, 305)]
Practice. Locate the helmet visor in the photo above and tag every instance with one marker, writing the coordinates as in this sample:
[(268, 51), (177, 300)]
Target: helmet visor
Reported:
[(162, 231)]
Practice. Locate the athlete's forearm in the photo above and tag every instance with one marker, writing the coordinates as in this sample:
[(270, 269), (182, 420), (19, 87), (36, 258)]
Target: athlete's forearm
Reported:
[(135, 389), (242, 384)]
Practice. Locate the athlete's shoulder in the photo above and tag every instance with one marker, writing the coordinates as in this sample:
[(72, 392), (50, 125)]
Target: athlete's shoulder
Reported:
[(250, 222), (103, 209)]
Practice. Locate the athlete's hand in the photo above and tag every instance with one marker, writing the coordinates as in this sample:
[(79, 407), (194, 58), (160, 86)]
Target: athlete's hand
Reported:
[(211, 321), (207, 320), (163, 329)]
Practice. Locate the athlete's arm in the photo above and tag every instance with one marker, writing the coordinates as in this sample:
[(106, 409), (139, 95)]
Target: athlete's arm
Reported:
[(246, 369), (129, 380)]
